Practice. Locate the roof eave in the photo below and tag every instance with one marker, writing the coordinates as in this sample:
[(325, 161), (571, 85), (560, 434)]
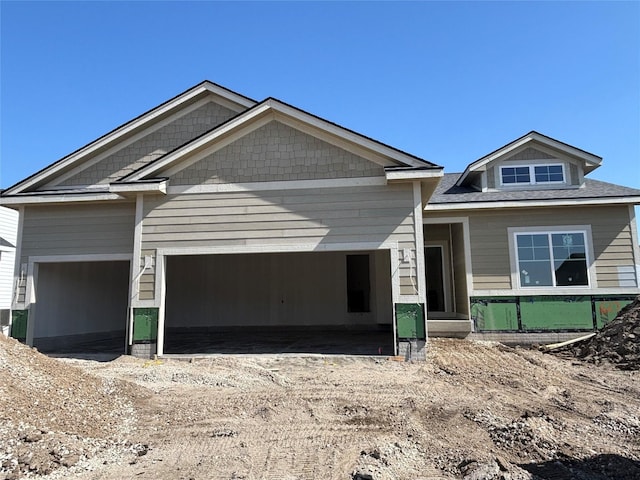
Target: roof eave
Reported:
[(162, 109), (591, 161), (630, 200)]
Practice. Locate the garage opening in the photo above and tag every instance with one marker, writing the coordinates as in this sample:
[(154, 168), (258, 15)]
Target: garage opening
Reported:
[(81, 307), (326, 302)]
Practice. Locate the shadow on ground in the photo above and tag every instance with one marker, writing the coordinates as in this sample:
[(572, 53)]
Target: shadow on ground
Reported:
[(599, 467)]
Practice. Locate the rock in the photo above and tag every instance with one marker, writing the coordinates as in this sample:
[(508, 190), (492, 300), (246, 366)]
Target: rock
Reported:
[(70, 460)]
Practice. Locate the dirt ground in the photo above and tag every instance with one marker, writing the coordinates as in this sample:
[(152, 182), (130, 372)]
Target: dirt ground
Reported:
[(472, 410)]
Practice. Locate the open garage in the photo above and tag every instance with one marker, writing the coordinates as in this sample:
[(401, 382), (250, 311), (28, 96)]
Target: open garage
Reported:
[(81, 306), (315, 302)]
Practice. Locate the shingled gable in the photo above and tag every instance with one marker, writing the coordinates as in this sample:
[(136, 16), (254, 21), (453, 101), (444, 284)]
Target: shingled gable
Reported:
[(221, 95), (538, 141), (271, 109)]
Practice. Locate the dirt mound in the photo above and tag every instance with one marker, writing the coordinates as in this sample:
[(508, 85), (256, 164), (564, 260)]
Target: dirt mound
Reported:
[(617, 343), (55, 415)]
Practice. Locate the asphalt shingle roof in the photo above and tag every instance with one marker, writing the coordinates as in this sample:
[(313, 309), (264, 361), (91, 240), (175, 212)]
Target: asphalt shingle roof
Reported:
[(448, 192)]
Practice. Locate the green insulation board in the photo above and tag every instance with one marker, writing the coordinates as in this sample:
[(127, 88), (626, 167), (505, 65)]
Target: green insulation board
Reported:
[(19, 324), (410, 320), (606, 310), (495, 313), (556, 313), (145, 325)]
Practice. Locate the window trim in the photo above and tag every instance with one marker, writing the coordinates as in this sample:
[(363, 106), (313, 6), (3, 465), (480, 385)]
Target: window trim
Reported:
[(532, 174), (548, 230)]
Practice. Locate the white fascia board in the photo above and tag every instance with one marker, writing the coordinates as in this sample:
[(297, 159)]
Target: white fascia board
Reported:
[(58, 198), (142, 187), (198, 143), (413, 174), (159, 111), (229, 95), (589, 158), (574, 202), (345, 134)]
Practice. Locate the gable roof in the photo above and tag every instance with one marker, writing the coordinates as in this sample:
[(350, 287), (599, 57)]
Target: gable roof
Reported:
[(449, 195), (274, 109), (163, 110), (533, 138)]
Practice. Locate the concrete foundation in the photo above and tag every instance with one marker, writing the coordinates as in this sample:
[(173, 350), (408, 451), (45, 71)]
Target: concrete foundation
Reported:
[(412, 350), (144, 350)]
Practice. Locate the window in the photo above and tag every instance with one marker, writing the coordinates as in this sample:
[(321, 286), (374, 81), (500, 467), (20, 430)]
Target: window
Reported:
[(532, 174), (512, 175), (552, 259)]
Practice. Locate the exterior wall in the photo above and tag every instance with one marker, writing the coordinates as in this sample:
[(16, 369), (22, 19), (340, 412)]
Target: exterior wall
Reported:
[(612, 243), (276, 152), (153, 145), (9, 232), (96, 229), (306, 218), (572, 169), (530, 153)]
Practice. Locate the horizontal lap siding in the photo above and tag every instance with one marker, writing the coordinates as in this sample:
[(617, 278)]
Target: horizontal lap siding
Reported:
[(78, 230), (310, 217), (490, 248)]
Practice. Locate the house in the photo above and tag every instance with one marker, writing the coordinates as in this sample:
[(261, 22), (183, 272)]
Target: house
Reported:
[(8, 232), (216, 220)]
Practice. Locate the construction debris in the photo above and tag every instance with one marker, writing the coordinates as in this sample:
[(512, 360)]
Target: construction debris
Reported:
[(618, 342)]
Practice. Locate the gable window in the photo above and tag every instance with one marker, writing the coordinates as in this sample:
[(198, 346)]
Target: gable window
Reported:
[(532, 174), (552, 259)]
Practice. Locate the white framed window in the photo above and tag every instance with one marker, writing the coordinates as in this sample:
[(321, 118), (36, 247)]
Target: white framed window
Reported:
[(532, 174), (557, 258)]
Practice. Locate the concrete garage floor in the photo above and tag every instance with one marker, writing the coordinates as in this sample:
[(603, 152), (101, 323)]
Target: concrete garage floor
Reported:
[(255, 340), (247, 341)]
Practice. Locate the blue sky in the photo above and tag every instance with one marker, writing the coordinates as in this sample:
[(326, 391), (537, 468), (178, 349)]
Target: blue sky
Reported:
[(448, 82)]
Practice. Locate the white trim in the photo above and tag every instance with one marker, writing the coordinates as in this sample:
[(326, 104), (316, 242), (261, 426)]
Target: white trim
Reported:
[(162, 297), (134, 279), (419, 239), (585, 230), (555, 291), (123, 144), (146, 187), (123, 130), (268, 111), (27, 199), (531, 137), (162, 253), (633, 200), (30, 300), (280, 185), (32, 279), (99, 257), (466, 241), (283, 248), (412, 174), (532, 174), (17, 263), (635, 243)]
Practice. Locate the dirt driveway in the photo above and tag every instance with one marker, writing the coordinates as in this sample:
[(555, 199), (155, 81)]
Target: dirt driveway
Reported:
[(473, 410)]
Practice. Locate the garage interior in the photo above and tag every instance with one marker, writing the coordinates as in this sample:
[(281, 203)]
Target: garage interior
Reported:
[(311, 302), (81, 307)]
